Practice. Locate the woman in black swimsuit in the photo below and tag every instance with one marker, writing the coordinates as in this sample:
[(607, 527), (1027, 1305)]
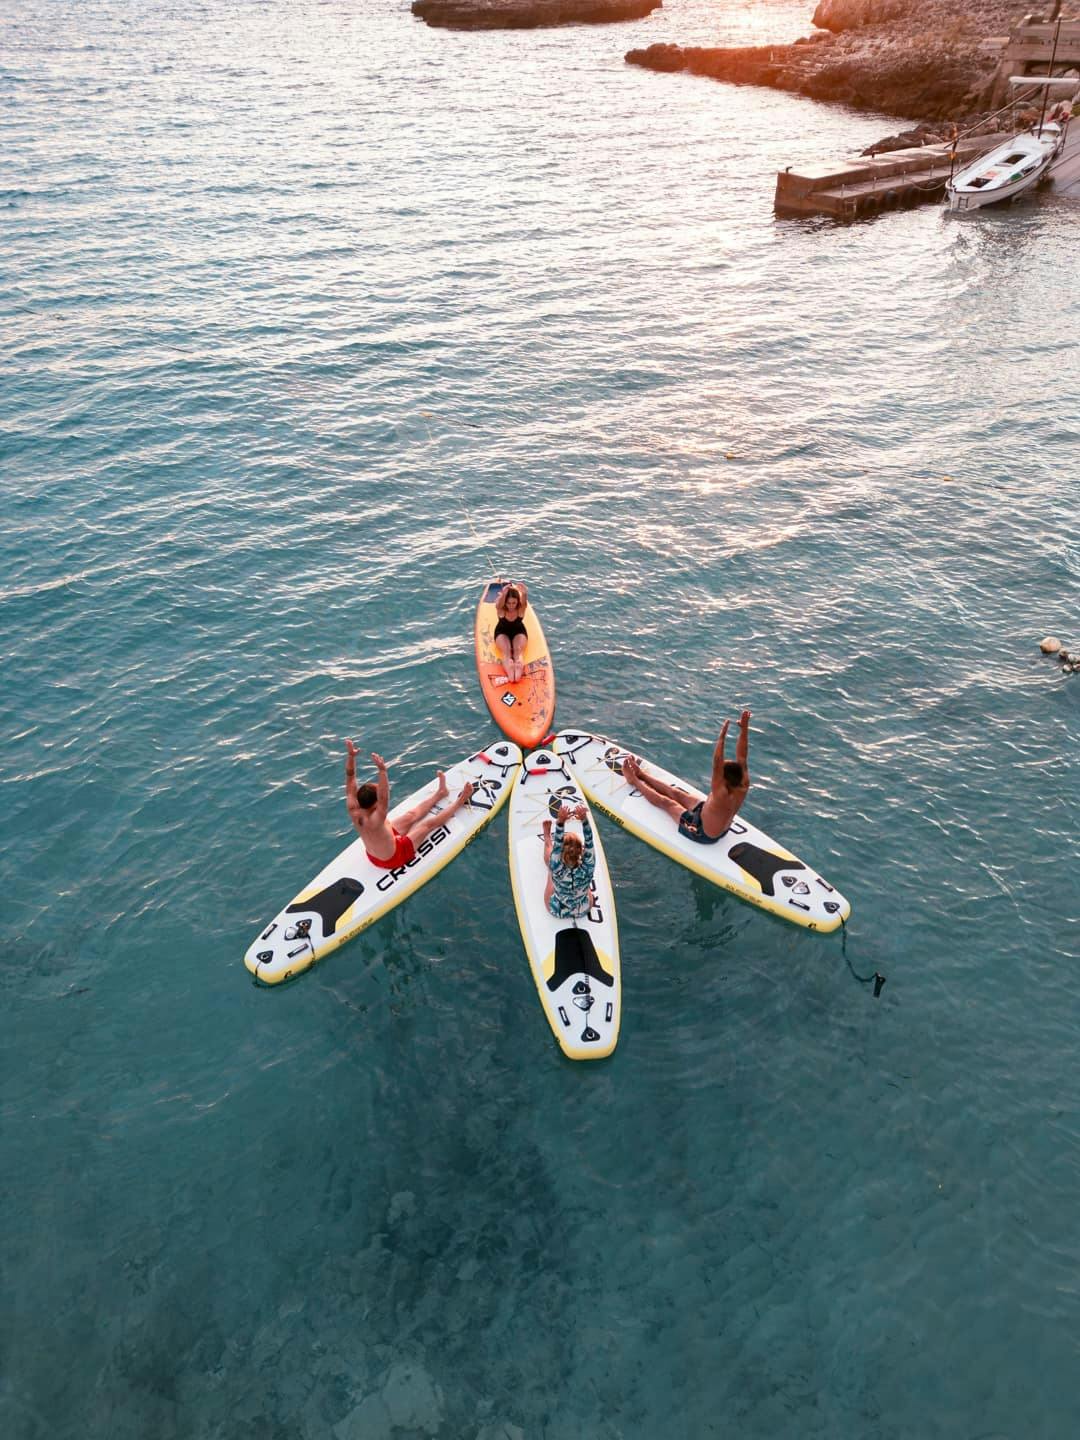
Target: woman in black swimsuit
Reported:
[(511, 637)]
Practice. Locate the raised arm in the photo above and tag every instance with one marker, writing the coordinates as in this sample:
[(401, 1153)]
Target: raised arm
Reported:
[(350, 784), (718, 757), (500, 601), (523, 590), (742, 749), (382, 787)]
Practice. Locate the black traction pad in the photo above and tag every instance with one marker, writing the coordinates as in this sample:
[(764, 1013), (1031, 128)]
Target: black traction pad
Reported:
[(763, 865), (330, 904), (575, 954)]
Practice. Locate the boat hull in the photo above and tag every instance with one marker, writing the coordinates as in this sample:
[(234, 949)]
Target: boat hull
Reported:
[(1010, 170)]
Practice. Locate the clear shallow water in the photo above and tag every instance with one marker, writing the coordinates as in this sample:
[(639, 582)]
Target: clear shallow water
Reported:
[(288, 292)]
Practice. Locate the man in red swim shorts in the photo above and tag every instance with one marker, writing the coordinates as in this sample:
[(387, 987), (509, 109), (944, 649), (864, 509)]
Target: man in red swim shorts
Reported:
[(391, 846)]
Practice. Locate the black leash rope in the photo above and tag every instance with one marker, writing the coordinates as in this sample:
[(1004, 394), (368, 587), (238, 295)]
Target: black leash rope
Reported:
[(877, 977)]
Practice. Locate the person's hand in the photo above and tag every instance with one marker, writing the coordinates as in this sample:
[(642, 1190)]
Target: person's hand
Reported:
[(580, 812), (564, 814), (724, 728), (744, 718), (378, 761), (350, 751)]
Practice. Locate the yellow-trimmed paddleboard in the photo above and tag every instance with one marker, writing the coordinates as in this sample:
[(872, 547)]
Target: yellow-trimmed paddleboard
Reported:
[(525, 710), (351, 893), (575, 963), (745, 860)]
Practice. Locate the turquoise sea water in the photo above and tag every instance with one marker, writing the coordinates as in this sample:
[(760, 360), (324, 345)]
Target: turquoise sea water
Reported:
[(297, 297)]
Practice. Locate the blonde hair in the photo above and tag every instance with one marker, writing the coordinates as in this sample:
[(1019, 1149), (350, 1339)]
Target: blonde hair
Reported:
[(573, 851)]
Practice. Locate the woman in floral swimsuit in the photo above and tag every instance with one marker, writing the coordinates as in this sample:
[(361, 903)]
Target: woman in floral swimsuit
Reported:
[(570, 863)]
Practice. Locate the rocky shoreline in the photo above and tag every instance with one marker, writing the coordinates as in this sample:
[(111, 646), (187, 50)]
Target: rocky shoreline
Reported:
[(929, 62), (528, 14)]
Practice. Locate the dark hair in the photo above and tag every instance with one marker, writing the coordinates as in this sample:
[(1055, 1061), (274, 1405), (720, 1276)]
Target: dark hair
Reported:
[(366, 795), (733, 774), (512, 593)]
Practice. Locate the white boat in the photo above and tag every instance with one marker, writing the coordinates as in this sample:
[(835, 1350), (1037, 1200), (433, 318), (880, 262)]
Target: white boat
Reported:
[(1006, 171), (1016, 165)]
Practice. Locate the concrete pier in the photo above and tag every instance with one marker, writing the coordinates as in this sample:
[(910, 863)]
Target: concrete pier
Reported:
[(871, 183), (1029, 48), (1065, 171)]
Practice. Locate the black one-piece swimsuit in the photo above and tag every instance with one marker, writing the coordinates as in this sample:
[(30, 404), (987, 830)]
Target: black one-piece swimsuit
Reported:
[(510, 628)]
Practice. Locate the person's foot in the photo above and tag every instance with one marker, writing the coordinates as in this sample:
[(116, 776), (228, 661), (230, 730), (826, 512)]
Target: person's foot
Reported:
[(466, 793), (441, 790), (629, 769), (547, 828)]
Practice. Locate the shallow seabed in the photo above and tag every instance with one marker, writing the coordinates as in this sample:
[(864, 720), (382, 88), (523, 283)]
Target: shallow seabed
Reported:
[(311, 314)]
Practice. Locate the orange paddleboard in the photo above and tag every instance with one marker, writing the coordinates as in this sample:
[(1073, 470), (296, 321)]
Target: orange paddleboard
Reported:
[(525, 710)]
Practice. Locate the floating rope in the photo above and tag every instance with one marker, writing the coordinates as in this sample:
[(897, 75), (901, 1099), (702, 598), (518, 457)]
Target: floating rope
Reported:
[(877, 977)]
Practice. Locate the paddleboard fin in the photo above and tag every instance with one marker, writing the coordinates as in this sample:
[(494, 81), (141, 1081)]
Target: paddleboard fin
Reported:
[(575, 954)]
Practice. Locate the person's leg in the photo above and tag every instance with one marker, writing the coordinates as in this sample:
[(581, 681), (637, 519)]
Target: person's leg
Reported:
[(404, 823), (419, 832), (502, 645), (520, 641), (673, 792), (549, 888), (654, 797)]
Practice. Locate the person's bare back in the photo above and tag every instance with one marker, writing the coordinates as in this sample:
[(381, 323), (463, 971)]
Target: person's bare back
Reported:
[(703, 821), (730, 782), (391, 845)]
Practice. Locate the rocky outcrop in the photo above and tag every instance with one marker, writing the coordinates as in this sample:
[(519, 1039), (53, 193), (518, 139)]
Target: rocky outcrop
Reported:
[(838, 15), (930, 60), (938, 84), (528, 14)]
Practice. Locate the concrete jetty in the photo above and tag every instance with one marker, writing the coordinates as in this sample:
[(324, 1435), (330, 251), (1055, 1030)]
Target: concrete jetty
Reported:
[(1029, 49), (868, 184), (1065, 171)]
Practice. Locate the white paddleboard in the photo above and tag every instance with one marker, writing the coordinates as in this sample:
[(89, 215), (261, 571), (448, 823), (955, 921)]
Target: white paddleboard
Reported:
[(575, 963), (745, 861), (352, 893)]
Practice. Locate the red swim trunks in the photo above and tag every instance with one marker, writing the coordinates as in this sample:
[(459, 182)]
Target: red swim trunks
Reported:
[(404, 851)]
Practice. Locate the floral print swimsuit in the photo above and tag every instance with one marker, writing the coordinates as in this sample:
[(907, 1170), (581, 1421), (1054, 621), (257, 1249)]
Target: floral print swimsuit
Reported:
[(571, 889)]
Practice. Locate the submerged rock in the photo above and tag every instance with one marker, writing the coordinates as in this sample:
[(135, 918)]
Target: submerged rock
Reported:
[(528, 14)]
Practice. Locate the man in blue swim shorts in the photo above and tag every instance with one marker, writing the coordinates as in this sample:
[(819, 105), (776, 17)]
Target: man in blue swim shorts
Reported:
[(703, 821)]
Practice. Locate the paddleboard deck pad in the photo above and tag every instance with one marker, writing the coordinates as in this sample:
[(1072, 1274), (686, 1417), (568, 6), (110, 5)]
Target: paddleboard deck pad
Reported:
[(351, 893), (524, 711), (575, 963), (745, 861)]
